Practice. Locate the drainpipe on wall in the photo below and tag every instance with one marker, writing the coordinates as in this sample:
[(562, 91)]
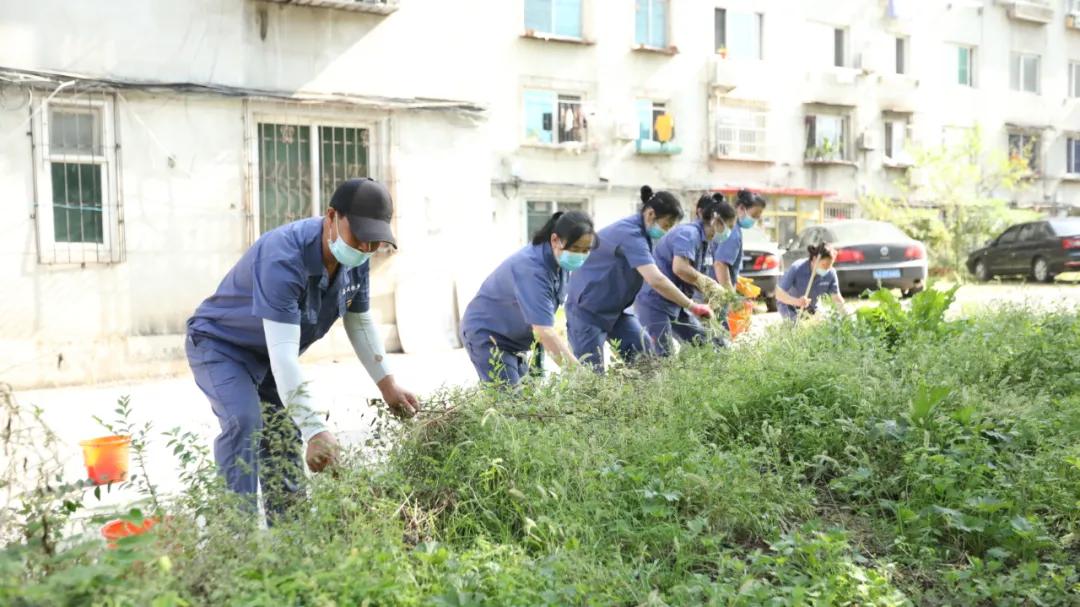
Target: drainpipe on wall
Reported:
[(246, 176)]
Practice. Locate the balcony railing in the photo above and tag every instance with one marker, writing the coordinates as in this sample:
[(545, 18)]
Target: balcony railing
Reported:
[(380, 7)]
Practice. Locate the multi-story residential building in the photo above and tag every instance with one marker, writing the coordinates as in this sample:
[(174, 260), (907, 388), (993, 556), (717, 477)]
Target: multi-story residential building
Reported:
[(813, 103), (144, 145)]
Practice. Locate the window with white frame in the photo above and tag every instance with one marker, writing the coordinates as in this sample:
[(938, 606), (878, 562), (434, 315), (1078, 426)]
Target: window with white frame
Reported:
[(78, 211), (897, 135), (964, 67), (651, 23), (740, 132), (555, 17), (901, 55), (554, 118), (1026, 146), (650, 120), (1072, 155), (1074, 79), (300, 166), (537, 212), (738, 34), (1024, 72), (827, 135)]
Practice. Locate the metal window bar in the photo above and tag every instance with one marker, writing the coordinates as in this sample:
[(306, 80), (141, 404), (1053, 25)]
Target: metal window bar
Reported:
[(284, 174), (78, 212), (740, 133), (343, 155), (835, 211)]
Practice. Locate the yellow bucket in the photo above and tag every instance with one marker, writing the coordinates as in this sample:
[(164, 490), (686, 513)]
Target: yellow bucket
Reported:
[(107, 458)]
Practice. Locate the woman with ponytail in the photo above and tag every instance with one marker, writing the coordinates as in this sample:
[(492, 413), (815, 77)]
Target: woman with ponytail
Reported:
[(515, 307), (681, 256), (807, 280), (601, 293), (727, 254)]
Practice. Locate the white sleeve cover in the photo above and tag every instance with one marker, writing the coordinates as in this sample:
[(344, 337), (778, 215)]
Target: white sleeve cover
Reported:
[(367, 344), (283, 345)]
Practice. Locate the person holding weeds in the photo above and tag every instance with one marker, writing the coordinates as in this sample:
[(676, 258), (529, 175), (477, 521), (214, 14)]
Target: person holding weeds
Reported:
[(515, 307), (806, 281), (605, 287), (681, 257), (244, 341)]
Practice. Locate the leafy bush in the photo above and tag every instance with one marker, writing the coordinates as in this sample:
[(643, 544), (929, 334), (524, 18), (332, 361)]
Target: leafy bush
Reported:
[(901, 459)]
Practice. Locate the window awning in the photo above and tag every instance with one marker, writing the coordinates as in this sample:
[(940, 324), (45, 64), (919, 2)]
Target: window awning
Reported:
[(829, 104), (1028, 128), (776, 191)]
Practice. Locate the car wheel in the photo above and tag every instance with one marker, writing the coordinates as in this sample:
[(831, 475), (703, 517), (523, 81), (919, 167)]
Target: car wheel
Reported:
[(982, 271), (770, 304), (909, 293), (1040, 269)]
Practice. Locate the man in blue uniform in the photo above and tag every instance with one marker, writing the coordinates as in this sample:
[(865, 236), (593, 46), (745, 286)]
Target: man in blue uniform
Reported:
[(244, 341)]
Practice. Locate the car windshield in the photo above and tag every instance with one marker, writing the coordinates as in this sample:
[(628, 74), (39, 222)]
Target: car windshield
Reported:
[(1069, 226), (756, 238), (872, 231)]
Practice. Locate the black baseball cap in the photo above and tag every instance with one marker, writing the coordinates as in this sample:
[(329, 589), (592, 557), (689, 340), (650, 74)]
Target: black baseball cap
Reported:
[(366, 204)]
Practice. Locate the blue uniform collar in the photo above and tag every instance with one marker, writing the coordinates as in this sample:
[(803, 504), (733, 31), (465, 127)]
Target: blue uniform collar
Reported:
[(700, 225), (644, 233), (548, 255), (312, 234)]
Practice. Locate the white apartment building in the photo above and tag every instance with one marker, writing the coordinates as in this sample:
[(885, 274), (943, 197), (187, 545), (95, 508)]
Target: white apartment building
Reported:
[(144, 145), (814, 103)]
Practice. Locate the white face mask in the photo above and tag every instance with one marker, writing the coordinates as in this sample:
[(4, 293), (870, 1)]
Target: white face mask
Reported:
[(346, 255)]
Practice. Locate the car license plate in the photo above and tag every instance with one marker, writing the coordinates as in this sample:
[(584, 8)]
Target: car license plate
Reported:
[(883, 274)]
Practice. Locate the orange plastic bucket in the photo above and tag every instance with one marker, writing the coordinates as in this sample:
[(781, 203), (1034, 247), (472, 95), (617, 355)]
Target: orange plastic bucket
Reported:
[(739, 319), (106, 458), (119, 528)]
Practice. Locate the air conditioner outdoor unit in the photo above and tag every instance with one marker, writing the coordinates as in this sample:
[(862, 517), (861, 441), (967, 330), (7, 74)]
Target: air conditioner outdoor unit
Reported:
[(1038, 12), (868, 140)]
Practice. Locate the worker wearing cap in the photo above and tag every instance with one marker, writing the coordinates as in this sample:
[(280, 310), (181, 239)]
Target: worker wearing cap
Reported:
[(244, 341)]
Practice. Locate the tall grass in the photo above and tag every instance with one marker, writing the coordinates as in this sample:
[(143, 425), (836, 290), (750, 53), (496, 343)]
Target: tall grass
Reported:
[(832, 464)]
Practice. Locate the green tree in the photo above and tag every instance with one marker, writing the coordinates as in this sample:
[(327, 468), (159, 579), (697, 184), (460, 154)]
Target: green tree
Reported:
[(951, 197)]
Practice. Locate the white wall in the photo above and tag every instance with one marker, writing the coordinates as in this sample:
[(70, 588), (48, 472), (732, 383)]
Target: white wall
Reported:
[(458, 214), (417, 51), (185, 200), (796, 69)]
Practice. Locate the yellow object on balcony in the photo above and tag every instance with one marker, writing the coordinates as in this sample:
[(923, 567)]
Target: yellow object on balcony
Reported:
[(665, 127)]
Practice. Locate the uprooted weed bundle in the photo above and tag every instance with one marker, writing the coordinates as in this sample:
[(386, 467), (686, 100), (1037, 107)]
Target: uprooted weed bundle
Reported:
[(826, 465)]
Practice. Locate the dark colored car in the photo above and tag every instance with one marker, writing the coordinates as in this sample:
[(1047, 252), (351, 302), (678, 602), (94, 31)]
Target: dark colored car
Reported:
[(1040, 249), (761, 262), (870, 255)]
